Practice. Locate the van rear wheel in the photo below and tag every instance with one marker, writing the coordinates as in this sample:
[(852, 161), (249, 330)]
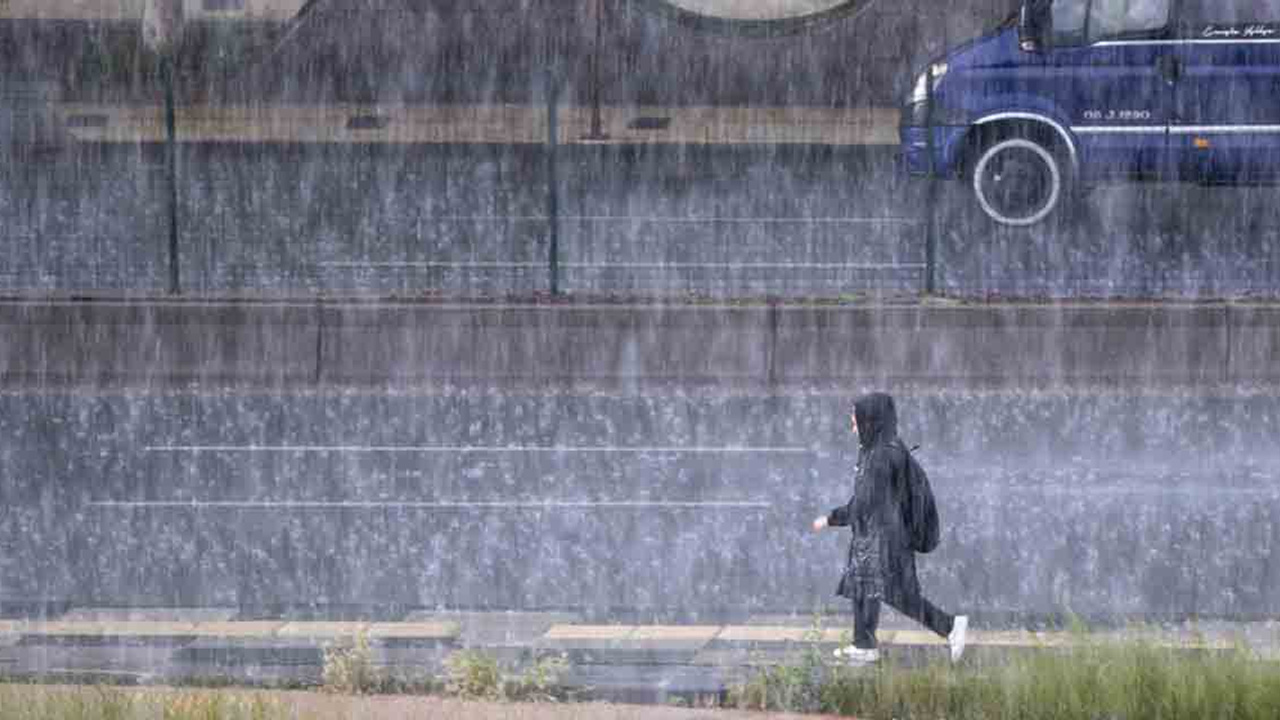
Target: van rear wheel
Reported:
[(1018, 181)]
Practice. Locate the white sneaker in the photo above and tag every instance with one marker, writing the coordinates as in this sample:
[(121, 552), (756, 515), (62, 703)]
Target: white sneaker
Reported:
[(956, 638), (857, 656)]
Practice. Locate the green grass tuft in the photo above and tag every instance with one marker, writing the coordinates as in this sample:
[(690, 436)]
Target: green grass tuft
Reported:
[(1086, 681), (33, 702)]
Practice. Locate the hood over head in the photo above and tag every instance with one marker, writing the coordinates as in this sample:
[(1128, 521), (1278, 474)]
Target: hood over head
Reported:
[(877, 419)]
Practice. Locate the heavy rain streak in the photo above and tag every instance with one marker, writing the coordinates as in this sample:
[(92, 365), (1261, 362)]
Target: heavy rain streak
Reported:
[(504, 325)]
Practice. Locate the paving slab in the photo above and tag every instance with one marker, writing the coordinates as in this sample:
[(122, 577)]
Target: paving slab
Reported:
[(261, 629), (490, 629), (769, 635), (675, 635), (761, 634), (89, 632), (918, 637), (1006, 638), (223, 645), (420, 634), (325, 632), (627, 644), (171, 615), (10, 632), (606, 633)]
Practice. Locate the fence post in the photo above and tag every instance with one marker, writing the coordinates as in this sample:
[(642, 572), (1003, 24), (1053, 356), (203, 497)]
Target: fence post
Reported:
[(553, 185), (931, 199), (597, 124), (171, 162)]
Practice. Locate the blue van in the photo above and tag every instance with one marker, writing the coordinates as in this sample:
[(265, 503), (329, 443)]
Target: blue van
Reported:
[(1069, 93)]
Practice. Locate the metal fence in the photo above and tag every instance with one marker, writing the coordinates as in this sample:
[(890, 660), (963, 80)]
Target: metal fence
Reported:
[(616, 154)]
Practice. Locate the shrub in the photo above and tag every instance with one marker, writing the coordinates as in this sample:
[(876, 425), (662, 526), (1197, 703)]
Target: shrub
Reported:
[(789, 687), (349, 668), (541, 681), (473, 675)]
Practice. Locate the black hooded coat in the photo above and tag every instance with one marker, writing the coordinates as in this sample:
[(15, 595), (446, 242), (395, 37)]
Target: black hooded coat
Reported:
[(880, 551)]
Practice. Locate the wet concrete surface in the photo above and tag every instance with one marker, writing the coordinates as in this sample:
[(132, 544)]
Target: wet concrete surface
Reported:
[(604, 662), (618, 508)]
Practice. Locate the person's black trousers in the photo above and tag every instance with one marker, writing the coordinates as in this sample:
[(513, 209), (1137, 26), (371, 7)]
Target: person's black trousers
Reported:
[(905, 597)]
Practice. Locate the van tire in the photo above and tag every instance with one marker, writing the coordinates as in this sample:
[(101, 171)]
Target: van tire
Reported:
[(1019, 181)]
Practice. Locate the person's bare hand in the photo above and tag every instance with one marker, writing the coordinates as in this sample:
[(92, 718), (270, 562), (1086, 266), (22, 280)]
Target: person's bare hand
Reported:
[(820, 522)]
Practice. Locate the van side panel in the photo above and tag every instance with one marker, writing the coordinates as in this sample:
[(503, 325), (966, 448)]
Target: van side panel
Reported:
[(995, 81), (1229, 108), (1118, 105), (1110, 96)]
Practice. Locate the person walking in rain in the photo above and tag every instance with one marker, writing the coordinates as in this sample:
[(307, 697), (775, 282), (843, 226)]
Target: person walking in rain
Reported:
[(882, 565)]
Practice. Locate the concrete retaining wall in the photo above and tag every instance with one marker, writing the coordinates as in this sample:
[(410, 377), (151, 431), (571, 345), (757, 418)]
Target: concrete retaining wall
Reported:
[(623, 462), (1013, 346)]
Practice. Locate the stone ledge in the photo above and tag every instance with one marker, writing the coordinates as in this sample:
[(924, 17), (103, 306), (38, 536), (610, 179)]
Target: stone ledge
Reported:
[(107, 629), (569, 636), (414, 631), (239, 629), (327, 631)]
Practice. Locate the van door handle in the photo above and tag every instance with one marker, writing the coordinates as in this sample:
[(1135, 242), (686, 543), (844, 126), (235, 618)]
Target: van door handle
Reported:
[(1169, 67)]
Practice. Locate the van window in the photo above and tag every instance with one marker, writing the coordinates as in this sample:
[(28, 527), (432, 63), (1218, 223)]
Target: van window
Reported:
[(1068, 21), (1231, 12), (1118, 19)]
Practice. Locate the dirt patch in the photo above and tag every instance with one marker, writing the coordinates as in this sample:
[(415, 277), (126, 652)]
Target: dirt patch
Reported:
[(322, 706), (396, 708)]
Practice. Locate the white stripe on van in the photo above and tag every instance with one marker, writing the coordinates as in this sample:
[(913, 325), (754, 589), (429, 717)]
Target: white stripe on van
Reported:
[(1119, 129), (1187, 41), (1175, 129), (1223, 129)]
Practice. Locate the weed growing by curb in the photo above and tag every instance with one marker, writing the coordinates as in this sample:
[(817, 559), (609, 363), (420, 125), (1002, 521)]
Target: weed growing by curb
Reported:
[(794, 687), (541, 681), (476, 675), (1087, 680), (473, 675), (349, 668), (28, 702)]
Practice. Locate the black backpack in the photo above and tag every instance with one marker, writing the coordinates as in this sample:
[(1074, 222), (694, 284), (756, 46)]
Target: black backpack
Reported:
[(919, 511)]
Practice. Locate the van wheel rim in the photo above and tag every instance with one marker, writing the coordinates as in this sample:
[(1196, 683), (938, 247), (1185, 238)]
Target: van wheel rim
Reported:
[(1017, 182)]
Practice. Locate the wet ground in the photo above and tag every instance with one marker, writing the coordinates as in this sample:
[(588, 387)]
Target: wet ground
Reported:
[(644, 663), (317, 706)]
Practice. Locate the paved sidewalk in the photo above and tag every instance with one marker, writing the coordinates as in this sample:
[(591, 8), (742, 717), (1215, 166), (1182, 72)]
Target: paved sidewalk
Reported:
[(636, 663), (483, 124)]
